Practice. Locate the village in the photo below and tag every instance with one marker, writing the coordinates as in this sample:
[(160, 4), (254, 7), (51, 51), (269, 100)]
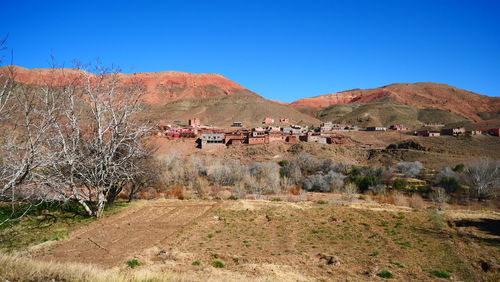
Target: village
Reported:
[(284, 132)]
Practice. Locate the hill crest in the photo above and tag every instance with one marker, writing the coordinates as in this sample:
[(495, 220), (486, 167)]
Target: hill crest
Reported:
[(420, 95)]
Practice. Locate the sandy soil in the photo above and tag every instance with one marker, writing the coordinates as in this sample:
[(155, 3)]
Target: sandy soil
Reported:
[(111, 240)]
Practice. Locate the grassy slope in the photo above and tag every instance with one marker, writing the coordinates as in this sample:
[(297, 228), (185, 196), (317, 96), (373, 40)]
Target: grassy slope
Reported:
[(224, 110), (43, 223), (385, 114)]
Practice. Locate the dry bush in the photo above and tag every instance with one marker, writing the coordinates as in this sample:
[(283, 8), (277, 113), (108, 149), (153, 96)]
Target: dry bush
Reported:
[(366, 197), (400, 199), (295, 190), (350, 191), (416, 202), (384, 198), (176, 191), (439, 197)]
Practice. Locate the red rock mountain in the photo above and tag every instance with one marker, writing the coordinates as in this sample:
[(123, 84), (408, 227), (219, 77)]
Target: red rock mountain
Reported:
[(419, 95), (161, 87)]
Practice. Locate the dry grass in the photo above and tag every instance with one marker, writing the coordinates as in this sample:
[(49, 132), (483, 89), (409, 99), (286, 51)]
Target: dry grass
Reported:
[(18, 268)]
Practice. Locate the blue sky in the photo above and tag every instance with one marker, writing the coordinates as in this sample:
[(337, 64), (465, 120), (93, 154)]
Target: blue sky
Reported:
[(283, 50)]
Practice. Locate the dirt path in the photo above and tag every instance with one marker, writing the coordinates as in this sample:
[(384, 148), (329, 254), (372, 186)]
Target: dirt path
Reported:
[(110, 241)]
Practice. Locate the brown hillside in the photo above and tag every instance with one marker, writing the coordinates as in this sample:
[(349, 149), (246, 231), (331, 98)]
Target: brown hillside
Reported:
[(161, 87), (222, 111), (420, 95)]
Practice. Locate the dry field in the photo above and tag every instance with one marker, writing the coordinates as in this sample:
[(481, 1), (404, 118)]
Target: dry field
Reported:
[(271, 240)]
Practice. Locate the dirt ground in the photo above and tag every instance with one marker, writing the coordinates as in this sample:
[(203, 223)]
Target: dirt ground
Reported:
[(285, 241), (113, 239), (364, 148)]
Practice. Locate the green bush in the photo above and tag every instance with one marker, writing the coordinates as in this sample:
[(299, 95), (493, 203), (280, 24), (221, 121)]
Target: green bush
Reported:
[(385, 274), (449, 184), (196, 262), (321, 202), (284, 163), (440, 274), (217, 263), (232, 197), (399, 184), (459, 168), (133, 263)]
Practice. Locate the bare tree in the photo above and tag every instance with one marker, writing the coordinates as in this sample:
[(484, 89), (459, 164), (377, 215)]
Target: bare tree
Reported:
[(350, 190), (95, 138), (24, 125), (439, 197), (483, 175), (409, 169)]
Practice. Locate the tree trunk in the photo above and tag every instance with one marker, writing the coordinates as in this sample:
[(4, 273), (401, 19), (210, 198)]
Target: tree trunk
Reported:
[(131, 195)]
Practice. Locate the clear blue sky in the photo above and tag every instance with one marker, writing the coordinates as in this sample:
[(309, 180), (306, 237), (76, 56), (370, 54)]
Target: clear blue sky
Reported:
[(282, 50)]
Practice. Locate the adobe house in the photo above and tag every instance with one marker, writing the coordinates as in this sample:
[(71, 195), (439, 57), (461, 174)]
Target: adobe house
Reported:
[(433, 124), (277, 136), (292, 139), (428, 133), (272, 129), (376, 128), (325, 128), (268, 120), (309, 137), (473, 132), (237, 124), (258, 137), (456, 131), (284, 120), (398, 127), (236, 138), (209, 140), (195, 122), (494, 131), (295, 129)]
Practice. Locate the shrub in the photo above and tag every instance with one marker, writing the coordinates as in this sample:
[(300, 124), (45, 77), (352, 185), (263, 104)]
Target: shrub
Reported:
[(416, 202), (410, 169), (440, 274), (459, 168), (400, 199), (196, 262), (385, 274), (350, 190), (324, 182), (217, 263), (321, 202), (284, 163), (450, 184), (399, 184), (232, 197), (439, 197), (133, 263)]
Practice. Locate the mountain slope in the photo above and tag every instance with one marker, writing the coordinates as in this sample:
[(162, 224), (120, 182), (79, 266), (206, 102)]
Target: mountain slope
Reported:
[(171, 95), (419, 95), (224, 110), (161, 87), (386, 114)]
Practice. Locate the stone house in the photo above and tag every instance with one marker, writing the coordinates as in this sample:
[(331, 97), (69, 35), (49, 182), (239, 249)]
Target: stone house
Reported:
[(456, 131), (268, 120), (195, 122)]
